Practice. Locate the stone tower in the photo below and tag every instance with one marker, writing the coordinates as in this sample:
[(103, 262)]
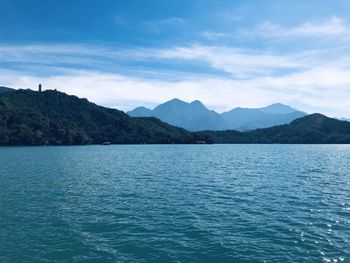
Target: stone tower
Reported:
[(40, 88)]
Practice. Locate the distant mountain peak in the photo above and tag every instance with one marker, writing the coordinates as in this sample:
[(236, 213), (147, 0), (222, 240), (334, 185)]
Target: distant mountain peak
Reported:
[(173, 104), (180, 103), (278, 104), (198, 105), (175, 100), (278, 108), (141, 108), (140, 112), (197, 102)]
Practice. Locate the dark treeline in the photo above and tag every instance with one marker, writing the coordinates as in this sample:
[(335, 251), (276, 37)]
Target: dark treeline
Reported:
[(54, 118)]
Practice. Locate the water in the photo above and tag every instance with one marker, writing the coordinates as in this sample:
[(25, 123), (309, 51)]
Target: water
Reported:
[(175, 203)]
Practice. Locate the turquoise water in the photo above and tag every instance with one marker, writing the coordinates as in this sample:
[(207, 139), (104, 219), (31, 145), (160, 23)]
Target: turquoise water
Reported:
[(175, 203)]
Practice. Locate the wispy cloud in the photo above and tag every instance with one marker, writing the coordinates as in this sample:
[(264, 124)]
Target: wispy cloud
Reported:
[(158, 26), (330, 29), (211, 35), (238, 62), (151, 26), (333, 27)]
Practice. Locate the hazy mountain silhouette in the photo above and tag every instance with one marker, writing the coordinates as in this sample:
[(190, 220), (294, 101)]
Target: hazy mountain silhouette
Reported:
[(192, 116), (278, 108), (141, 112), (195, 116), (250, 119)]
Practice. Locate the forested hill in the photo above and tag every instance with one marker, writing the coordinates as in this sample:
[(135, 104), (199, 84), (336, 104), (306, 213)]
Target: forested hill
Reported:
[(311, 129), (54, 118)]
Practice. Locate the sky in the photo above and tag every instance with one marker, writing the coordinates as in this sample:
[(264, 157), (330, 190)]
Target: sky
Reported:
[(225, 53)]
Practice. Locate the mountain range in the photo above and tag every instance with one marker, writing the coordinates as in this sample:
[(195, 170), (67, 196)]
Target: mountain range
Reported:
[(195, 116), (54, 118)]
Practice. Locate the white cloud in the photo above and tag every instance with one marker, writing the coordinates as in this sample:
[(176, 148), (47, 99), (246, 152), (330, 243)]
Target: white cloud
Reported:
[(314, 81), (312, 91), (158, 26)]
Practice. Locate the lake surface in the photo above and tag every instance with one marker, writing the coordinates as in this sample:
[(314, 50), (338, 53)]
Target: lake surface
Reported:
[(175, 203)]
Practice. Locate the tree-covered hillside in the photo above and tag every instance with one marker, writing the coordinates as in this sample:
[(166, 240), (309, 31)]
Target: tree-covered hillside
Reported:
[(311, 129), (54, 118)]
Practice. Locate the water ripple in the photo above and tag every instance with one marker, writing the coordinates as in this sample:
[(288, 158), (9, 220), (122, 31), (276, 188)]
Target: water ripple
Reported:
[(175, 203)]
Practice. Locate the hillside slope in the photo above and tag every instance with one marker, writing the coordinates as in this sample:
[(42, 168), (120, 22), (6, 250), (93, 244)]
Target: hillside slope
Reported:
[(311, 129), (51, 117)]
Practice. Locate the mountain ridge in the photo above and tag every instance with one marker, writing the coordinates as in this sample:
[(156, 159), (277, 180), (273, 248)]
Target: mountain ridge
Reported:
[(195, 116)]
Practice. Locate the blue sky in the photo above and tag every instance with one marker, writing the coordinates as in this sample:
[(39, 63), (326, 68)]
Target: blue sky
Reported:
[(227, 54)]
